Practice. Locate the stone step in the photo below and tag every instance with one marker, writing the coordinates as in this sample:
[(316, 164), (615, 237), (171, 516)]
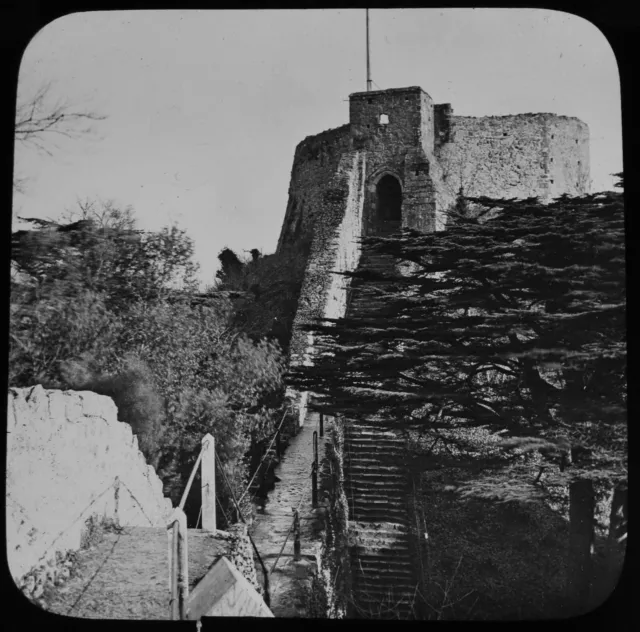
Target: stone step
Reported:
[(383, 610), (382, 491), (368, 454), (384, 578), (360, 473), (373, 432), (371, 546), (396, 456), (376, 503), (377, 443), (361, 514), (384, 568), (401, 588), (401, 554), (377, 437), (372, 596), (373, 534), (385, 464), (377, 595)]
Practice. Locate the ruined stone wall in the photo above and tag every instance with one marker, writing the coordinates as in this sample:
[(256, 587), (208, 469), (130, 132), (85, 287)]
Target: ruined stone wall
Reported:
[(516, 156), (333, 248), (70, 459), (325, 198), (315, 164), (569, 165)]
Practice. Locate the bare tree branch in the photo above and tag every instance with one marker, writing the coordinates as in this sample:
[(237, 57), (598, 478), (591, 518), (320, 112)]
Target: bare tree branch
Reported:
[(39, 120), (38, 117)]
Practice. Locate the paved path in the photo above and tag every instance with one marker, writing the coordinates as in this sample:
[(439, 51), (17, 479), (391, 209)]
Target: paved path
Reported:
[(270, 527)]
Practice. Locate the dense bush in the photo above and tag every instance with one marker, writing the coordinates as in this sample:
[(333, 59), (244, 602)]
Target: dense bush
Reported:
[(94, 306), (267, 287)]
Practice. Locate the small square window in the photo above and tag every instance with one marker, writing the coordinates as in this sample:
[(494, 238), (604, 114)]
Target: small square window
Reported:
[(384, 119), (551, 159), (551, 181), (579, 162), (576, 141), (553, 135), (504, 133)]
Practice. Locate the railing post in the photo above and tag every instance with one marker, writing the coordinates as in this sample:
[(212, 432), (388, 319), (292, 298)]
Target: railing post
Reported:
[(314, 471), (173, 565), (183, 565), (208, 476), (321, 424), (296, 536), (178, 564)]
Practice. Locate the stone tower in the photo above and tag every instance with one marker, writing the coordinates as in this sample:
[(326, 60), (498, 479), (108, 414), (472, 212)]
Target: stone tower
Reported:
[(400, 161)]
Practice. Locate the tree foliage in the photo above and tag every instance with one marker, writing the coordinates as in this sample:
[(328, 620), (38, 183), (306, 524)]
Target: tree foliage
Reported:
[(513, 319), (98, 304), (266, 290)]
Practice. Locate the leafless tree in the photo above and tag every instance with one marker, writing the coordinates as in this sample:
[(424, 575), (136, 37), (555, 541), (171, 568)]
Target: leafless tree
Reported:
[(40, 119)]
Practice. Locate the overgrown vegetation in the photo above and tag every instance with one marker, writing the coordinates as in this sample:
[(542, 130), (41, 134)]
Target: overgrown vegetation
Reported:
[(97, 304), (265, 290), (502, 343)]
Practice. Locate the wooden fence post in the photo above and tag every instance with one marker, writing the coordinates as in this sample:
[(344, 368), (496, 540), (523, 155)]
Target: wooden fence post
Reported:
[(296, 536), (172, 550), (208, 476), (183, 564), (314, 472), (178, 563)]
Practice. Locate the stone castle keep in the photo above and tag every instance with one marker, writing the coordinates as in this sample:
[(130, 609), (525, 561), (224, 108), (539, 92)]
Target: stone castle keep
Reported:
[(400, 161)]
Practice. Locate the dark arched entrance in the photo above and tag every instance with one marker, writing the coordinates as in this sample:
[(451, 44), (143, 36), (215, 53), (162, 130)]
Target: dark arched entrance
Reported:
[(388, 215)]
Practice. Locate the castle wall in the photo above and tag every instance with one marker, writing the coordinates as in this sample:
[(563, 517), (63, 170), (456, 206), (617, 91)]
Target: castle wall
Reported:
[(334, 248), (432, 153), (511, 156), (315, 163), (569, 165), (403, 147)]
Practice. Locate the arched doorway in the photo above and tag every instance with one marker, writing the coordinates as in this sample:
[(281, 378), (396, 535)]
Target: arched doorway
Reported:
[(388, 215)]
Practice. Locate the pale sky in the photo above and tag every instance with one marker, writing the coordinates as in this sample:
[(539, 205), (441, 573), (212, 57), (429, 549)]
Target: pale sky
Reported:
[(205, 108)]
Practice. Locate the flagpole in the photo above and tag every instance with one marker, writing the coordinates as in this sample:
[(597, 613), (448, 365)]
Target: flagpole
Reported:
[(368, 62)]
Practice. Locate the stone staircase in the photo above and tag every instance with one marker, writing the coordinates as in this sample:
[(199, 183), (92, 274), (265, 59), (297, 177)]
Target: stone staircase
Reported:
[(377, 486)]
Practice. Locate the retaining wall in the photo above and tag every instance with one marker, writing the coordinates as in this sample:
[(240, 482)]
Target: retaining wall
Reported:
[(70, 459)]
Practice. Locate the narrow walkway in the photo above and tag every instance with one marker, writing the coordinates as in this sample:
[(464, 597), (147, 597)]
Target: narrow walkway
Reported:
[(126, 574), (271, 526)]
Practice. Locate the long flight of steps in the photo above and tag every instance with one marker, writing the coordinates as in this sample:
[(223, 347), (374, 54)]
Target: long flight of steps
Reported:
[(377, 488)]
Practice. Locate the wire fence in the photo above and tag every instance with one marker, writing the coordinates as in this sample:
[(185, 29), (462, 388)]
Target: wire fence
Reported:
[(116, 484), (304, 495), (264, 456)]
